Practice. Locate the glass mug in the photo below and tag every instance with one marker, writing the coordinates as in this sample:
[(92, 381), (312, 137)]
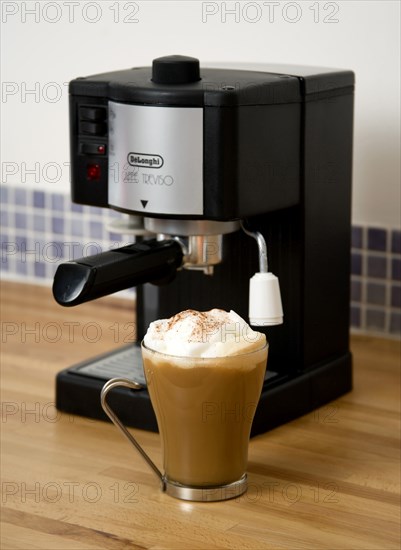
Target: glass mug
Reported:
[(204, 409)]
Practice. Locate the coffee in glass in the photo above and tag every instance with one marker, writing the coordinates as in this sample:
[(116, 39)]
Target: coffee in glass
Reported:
[(204, 373)]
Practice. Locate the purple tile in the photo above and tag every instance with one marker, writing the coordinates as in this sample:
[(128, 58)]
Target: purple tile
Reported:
[(39, 223), (355, 316), (356, 237), (4, 218), (4, 245), (57, 202), (375, 319), (396, 269), (115, 237), (77, 227), (73, 250), (28, 250), (356, 291), (20, 221), (4, 265), (395, 323), (376, 294), (377, 267), (114, 214), (76, 207), (396, 242), (3, 238), (356, 264), (58, 225), (3, 194), (396, 296), (96, 230), (22, 268), (38, 199), (41, 245), (62, 249), (377, 239), (20, 242), (9, 248), (96, 211), (20, 196), (40, 269), (52, 252)]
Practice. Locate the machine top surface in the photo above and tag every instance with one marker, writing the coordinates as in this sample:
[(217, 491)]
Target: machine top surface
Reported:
[(189, 85)]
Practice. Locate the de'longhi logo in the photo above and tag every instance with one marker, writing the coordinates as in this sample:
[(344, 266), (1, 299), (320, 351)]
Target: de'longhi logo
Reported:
[(142, 159)]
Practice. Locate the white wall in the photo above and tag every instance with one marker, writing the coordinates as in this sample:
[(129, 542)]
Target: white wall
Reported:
[(43, 56)]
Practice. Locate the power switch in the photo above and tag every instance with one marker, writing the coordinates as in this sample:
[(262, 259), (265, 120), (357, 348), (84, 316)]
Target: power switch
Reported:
[(92, 148)]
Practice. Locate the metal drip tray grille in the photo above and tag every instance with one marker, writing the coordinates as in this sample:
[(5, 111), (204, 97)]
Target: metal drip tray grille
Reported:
[(125, 363)]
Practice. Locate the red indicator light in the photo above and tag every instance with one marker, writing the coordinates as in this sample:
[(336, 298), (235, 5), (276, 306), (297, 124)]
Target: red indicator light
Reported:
[(93, 172), (101, 149)]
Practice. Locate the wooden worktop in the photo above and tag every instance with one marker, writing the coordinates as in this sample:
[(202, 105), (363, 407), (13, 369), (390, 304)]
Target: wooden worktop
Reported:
[(327, 480)]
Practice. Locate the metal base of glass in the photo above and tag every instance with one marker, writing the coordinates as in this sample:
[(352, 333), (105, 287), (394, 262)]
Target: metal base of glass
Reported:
[(206, 494)]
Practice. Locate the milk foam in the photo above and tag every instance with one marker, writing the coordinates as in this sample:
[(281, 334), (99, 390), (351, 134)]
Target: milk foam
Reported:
[(214, 333)]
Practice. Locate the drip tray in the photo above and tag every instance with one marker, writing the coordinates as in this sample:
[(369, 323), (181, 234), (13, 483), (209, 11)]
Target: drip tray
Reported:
[(124, 363)]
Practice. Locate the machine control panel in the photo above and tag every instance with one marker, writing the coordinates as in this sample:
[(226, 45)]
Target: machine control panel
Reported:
[(156, 159), (179, 140), (90, 147)]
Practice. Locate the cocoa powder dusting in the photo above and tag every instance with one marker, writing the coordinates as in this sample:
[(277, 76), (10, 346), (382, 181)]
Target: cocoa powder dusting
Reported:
[(204, 323)]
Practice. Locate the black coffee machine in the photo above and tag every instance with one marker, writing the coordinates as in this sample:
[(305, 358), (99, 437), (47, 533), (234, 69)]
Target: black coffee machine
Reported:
[(194, 155)]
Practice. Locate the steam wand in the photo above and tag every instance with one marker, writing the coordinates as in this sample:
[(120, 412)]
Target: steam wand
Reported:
[(263, 264), (265, 307)]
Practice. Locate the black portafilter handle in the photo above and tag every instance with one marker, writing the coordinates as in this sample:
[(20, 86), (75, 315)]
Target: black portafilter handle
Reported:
[(95, 276)]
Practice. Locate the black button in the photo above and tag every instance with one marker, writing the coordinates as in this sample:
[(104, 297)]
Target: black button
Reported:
[(93, 128), (175, 69), (94, 114), (92, 148)]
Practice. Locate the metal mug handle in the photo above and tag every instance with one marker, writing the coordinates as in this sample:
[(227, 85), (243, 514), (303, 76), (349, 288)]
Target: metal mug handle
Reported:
[(114, 383)]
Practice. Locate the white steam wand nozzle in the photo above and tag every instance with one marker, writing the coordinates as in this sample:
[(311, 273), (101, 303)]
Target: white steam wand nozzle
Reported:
[(265, 307)]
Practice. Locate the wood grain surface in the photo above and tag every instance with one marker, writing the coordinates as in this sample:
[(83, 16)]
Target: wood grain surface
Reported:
[(330, 479)]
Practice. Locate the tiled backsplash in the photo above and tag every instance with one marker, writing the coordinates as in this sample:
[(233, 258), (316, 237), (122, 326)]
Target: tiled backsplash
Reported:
[(39, 229), (376, 280)]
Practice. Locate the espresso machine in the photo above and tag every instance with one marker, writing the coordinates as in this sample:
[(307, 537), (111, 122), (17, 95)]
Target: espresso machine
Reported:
[(201, 159)]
